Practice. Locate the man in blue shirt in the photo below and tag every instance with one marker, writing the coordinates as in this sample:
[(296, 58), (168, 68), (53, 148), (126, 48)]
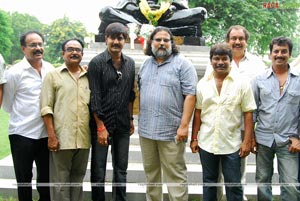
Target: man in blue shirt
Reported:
[(277, 97), (167, 84)]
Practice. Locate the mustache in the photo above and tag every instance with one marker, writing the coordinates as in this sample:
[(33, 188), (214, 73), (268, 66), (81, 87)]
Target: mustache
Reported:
[(38, 52), (237, 46), (74, 56), (220, 66), (116, 45), (279, 57)]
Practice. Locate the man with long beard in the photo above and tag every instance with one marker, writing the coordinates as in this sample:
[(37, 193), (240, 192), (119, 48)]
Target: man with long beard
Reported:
[(167, 84)]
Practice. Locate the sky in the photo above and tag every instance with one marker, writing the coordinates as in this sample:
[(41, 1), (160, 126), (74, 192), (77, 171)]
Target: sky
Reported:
[(47, 11)]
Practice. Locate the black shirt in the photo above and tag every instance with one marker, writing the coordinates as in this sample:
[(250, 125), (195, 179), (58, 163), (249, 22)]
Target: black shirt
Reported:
[(110, 92)]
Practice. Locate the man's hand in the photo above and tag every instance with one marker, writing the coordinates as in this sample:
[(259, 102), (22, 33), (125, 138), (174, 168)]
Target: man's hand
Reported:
[(103, 137), (182, 134), (194, 146), (253, 145), (53, 144), (245, 149), (295, 145), (131, 127)]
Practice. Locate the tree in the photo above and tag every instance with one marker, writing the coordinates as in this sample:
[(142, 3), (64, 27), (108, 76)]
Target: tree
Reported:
[(263, 22), (21, 23), (59, 31), (5, 34)]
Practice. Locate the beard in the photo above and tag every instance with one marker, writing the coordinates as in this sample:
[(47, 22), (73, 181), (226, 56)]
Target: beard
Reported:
[(161, 52)]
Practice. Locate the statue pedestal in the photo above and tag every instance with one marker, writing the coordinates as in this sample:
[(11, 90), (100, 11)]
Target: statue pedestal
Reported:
[(179, 40)]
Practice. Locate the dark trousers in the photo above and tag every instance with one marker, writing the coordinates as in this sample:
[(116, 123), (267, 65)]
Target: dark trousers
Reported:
[(231, 169), (24, 152), (119, 150)]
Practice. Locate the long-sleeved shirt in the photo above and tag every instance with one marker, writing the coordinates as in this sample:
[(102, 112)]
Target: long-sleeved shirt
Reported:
[(162, 90), (21, 99), (277, 116), (221, 114), (111, 92), (67, 100)]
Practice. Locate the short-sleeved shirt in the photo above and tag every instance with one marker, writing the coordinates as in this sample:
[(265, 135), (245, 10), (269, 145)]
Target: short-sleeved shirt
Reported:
[(162, 90), (67, 99), (221, 114)]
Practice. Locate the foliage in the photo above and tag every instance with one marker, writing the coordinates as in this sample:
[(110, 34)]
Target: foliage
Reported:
[(21, 23), (4, 141), (262, 23), (5, 33), (59, 31)]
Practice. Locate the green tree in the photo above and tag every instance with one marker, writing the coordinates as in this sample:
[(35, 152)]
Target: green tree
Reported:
[(262, 23), (21, 23), (59, 31), (5, 35)]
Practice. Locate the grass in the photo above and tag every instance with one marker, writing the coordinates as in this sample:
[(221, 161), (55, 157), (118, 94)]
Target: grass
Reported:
[(4, 141)]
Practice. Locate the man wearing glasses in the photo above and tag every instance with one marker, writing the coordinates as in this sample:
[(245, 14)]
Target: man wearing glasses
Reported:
[(27, 133), (65, 102), (111, 77), (167, 85)]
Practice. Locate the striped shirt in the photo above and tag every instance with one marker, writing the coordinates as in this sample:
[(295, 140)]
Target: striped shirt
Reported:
[(110, 93), (162, 89)]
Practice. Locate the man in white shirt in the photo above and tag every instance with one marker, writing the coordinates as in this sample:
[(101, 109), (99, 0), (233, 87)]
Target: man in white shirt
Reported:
[(247, 65), (27, 133)]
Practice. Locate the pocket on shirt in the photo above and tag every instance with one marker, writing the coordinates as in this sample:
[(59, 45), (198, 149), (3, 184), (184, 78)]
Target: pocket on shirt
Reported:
[(293, 97)]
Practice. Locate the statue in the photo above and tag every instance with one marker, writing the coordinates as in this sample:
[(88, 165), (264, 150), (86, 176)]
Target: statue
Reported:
[(174, 14)]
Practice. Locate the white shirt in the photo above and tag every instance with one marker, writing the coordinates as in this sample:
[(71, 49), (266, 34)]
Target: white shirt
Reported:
[(249, 67), (21, 99), (221, 114)]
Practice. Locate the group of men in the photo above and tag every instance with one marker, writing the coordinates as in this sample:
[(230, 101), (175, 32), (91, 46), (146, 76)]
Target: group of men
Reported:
[(66, 109)]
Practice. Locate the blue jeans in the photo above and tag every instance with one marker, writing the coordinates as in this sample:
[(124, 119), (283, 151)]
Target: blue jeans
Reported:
[(231, 168), (287, 169), (119, 142)]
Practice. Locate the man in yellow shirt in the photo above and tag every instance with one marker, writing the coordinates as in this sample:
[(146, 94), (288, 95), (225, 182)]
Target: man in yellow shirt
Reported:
[(65, 101), (222, 98)]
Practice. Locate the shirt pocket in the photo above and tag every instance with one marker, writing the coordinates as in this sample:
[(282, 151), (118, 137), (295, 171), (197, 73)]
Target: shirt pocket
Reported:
[(293, 97)]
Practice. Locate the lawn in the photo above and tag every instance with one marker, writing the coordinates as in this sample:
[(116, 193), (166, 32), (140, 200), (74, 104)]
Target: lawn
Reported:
[(4, 141)]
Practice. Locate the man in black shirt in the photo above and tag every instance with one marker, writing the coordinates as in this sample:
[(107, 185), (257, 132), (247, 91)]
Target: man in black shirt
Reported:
[(111, 78)]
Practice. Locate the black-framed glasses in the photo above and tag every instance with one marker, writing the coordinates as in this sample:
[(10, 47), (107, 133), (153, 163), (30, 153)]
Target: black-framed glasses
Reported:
[(119, 75), (166, 40), (35, 45), (72, 49)]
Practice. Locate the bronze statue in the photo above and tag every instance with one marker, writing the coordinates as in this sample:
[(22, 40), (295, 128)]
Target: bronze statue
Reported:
[(180, 19)]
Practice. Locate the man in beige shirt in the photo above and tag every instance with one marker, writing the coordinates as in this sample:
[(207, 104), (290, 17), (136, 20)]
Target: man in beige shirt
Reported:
[(65, 98)]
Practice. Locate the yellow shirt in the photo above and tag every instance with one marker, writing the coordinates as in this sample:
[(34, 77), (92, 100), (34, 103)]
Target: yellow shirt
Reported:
[(67, 99), (221, 115)]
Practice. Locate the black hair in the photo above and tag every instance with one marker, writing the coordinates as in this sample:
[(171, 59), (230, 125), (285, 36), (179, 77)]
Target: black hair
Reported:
[(220, 49), (148, 50), (280, 41), (24, 35), (66, 41)]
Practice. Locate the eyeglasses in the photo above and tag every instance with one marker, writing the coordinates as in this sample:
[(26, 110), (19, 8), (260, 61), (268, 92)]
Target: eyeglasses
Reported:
[(235, 38), (119, 75), (72, 49), (166, 40), (35, 45)]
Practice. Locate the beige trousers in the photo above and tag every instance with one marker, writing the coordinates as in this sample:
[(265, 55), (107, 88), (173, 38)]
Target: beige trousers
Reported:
[(164, 163)]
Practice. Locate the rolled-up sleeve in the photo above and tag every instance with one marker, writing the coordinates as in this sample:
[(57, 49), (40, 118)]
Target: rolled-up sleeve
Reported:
[(47, 95)]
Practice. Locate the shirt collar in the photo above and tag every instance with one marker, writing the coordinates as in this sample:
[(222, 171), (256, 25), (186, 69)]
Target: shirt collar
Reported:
[(64, 67), (292, 71)]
